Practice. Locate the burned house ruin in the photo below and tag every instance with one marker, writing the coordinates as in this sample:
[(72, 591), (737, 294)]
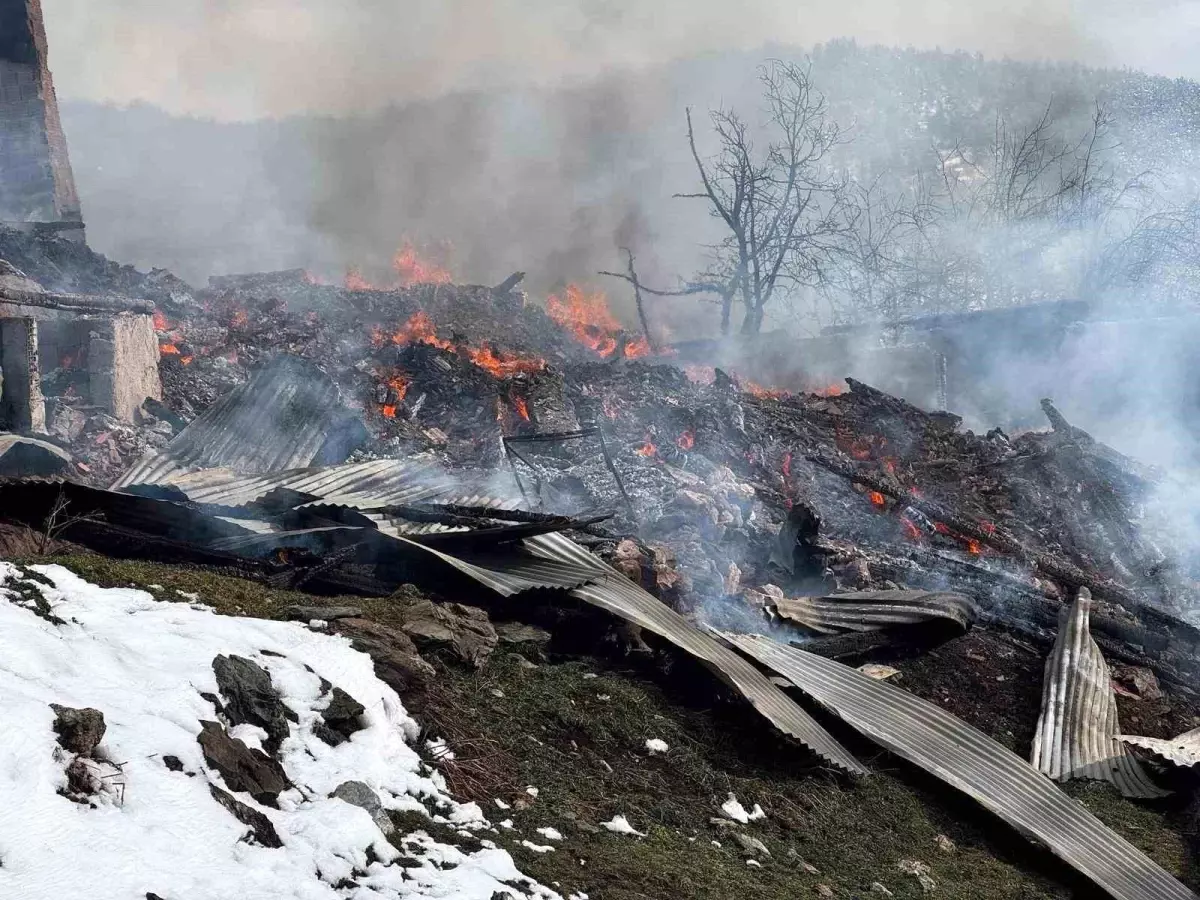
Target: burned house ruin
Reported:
[(100, 352), (37, 191)]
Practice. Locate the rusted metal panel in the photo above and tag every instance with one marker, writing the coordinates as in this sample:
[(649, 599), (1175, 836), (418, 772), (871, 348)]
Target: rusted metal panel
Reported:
[(967, 759), (1077, 730)]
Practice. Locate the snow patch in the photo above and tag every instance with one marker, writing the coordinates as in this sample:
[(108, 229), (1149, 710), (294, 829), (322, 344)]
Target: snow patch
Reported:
[(620, 825), (733, 809), (656, 745), (144, 664)]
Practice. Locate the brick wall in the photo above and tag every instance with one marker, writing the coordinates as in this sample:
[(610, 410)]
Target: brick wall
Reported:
[(36, 184)]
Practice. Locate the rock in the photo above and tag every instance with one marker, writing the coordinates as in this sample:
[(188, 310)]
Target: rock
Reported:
[(250, 699), (398, 664), (78, 730), (340, 719), (463, 629), (945, 844), (324, 613), (877, 888), (358, 794), (174, 763), (82, 778), (824, 890), (520, 633), (243, 768), (260, 826), (919, 871), (750, 844)]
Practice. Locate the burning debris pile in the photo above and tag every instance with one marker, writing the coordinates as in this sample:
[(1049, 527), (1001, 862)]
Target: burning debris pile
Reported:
[(348, 439)]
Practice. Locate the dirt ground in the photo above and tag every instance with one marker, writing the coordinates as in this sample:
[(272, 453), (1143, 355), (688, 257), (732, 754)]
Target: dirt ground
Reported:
[(574, 727)]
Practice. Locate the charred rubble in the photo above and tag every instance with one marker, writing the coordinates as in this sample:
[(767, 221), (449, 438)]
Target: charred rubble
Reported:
[(349, 441)]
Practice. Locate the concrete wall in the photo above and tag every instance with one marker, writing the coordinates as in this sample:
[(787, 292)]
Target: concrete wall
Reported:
[(22, 407), (122, 362)]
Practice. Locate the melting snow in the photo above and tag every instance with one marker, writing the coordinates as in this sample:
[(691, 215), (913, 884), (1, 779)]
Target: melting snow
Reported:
[(733, 809), (656, 745), (550, 834), (537, 848), (143, 663), (620, 825)]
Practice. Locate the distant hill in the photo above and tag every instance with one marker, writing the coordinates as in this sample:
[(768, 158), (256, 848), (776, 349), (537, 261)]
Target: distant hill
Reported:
[(551, 182)]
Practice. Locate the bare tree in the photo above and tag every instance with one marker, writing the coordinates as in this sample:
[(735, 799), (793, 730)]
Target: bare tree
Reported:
[(779, 205)]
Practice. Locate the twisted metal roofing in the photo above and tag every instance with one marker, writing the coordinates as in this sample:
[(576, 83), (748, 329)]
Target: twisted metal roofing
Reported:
[(280, 419), (1183, 750), (876, 610), (1076, 734), (947, 747)]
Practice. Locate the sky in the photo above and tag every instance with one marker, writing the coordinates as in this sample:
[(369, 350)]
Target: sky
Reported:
[(251, 59)]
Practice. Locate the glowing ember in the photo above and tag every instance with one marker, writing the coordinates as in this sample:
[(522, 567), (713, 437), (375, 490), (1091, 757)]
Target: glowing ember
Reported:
[(521, 407), (700, 374), (186, 360), (877, 499), (412, 269), (160, 321), (787, 465), (587, 317), (399, 385), (762, 393), (240, 319), (987, 527), (637, 349), (168, 350), (941, 528), (830, 390), (389, 411), (686, 441), (911, 531), (647, 449), (503, 366), (419, 329), (973, 548), (610, 408)]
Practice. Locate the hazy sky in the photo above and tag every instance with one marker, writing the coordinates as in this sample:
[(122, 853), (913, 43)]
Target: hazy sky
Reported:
[(251, 58)]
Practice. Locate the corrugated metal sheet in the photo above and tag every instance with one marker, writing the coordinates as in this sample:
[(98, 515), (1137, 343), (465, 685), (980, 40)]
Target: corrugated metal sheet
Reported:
[(1183, 750), (609, 590), (970, 761), (22, 456), (374, 484), (875, 610), (280, 419), (1077, 730)]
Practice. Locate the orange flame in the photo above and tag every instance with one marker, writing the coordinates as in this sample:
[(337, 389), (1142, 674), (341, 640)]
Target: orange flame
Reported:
[(389, 411), (647, 449), (160, 321), (973, 547), (588, 318), (168, 350), (354, 281), (762, 393), (686, 441), (911, 531), (412, 269), (878, 500), (503, 366), (637, 349), (186, 360), (521, 407), (419, 329), (829, 390)]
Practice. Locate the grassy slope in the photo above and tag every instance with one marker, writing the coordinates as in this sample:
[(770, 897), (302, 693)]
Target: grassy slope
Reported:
[(581, 741)]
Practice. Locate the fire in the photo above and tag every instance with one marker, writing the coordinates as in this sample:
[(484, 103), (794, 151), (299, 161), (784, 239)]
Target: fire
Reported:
[(987, 527), (412, 269), (762, 393), (240, 319), (911, 531), (168, 350), (686, 441), (829, 390), (787, 465), (399, 385), (354, 281), (877, 499), (389, 411), (419, 329), (610, 408), (160, 321), (521, 407), (973, 547), (647, 449), (186, 360), (503, 366), (637, 349), (700, 374), (588, 318)]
